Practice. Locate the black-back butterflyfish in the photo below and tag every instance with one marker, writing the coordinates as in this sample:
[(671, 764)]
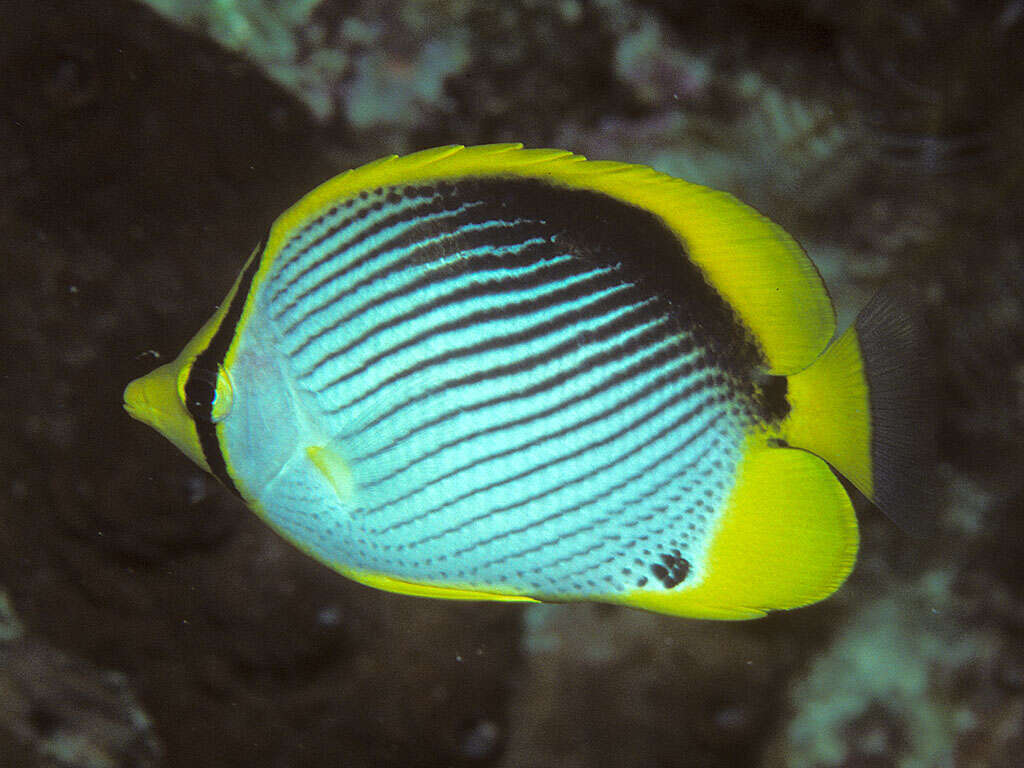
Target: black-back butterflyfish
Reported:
[(513, 374)]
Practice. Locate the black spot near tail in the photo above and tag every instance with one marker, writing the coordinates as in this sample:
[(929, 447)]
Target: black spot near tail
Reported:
[(672, 570)]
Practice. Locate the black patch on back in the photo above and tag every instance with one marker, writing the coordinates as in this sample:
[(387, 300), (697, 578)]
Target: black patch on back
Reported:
[(607, 232), (770, 394), (672, 570)]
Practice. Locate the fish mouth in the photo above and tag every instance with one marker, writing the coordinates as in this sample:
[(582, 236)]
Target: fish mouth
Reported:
[(136, 402), (153, 399)]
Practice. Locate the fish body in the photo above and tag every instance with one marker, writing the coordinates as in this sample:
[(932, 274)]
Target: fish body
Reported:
[(510, 374)]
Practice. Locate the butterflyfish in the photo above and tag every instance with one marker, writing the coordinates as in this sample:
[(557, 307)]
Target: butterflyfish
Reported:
[(499, 373)]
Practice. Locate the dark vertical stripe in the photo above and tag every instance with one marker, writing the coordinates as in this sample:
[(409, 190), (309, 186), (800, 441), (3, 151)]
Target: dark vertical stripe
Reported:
[(432, 225), (642, 365), (573, 481), (642, 472), (426, 211), (680, 421), (464, 238), (202, 379), (691, 391), (524, 309), (483, 286)]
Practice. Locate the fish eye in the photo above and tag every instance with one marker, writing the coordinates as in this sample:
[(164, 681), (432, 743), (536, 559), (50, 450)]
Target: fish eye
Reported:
[(200, 389), (207, 394)]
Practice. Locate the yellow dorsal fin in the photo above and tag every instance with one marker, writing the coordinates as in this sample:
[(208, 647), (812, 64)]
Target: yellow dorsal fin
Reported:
[(759, 269)]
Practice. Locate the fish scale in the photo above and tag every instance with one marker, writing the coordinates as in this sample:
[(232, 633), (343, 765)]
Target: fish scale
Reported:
[(507, 374)]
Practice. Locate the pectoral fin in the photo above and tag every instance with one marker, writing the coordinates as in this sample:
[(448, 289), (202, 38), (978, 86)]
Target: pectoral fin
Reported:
[(334, 468)]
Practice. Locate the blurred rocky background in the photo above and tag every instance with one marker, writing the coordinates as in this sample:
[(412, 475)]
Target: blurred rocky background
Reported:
[(147, 619)]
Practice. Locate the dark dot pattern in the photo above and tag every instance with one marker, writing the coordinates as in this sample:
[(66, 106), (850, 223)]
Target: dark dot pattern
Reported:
[(672, 570)]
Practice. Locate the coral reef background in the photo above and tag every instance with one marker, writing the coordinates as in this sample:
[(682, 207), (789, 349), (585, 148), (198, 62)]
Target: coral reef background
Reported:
[(147, 619)]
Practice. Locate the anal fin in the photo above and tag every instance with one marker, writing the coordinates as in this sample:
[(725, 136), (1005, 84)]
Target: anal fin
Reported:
[(787, 537), (421, 589)]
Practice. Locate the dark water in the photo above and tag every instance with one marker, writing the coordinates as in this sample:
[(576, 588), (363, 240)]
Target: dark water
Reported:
[(149, 620)]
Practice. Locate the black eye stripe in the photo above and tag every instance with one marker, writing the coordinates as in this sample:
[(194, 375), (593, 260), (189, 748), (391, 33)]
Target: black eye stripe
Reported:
[(201, 387)]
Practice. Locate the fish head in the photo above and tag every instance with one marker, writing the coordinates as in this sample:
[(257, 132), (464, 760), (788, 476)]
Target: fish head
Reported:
[(172, 397)]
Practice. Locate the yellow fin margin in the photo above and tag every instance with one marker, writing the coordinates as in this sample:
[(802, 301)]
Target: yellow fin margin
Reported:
[(391, 584), (788, 537), (380, 580), (758, 268)]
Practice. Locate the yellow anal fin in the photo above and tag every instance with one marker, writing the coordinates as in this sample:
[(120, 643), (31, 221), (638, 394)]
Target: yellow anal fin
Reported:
[(787, 538), (391, 584)]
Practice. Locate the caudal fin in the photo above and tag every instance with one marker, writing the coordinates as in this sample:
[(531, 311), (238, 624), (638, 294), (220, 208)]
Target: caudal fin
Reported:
[(866, 407), (901, 391)]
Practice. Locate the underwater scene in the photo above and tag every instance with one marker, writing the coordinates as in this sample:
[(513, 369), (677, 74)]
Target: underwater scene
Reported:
[(703, 451)]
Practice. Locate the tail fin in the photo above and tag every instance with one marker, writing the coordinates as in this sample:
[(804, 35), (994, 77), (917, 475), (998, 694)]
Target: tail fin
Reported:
[(865, 406)]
